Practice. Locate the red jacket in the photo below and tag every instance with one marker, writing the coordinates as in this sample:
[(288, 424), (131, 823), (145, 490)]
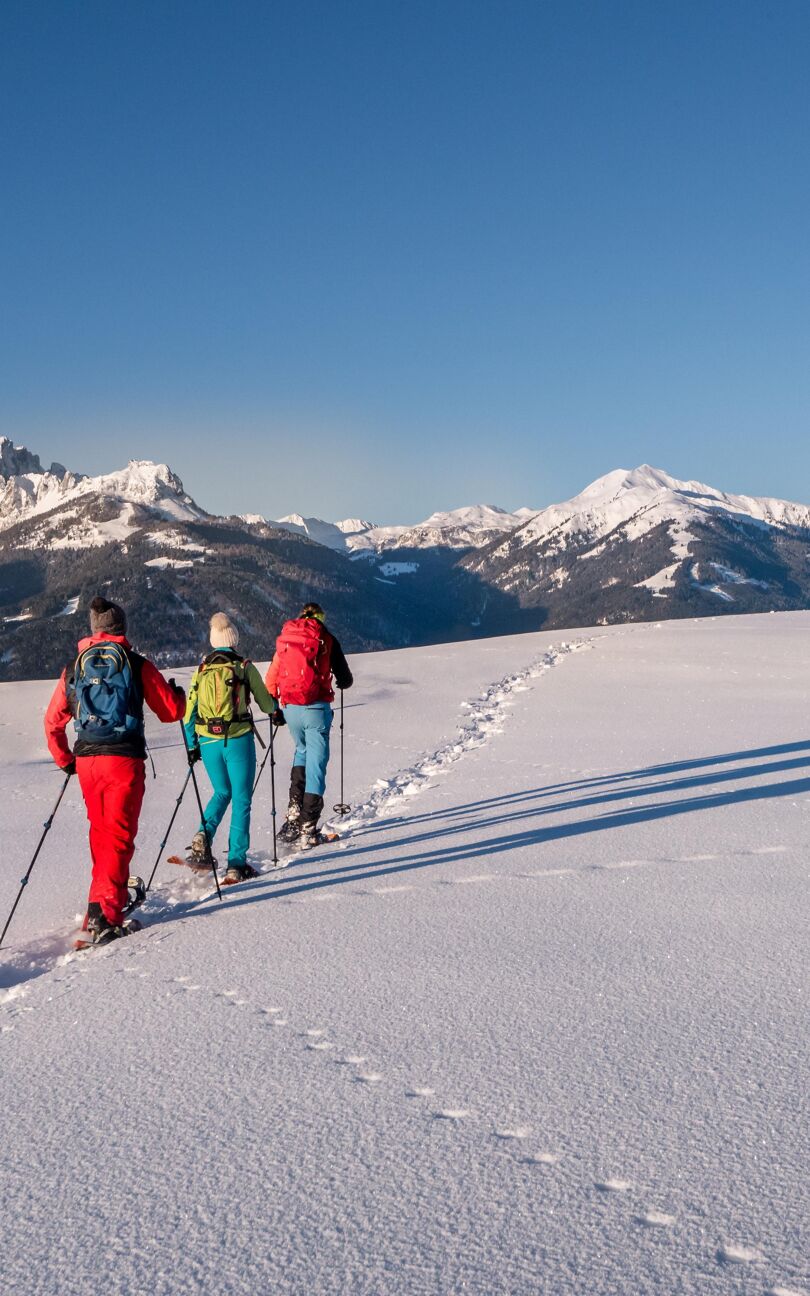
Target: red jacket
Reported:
[(167, 703)]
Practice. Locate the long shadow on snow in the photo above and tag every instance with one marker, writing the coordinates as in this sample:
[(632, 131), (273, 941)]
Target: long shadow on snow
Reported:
[(474, 816), (41, 954), (348, 873)]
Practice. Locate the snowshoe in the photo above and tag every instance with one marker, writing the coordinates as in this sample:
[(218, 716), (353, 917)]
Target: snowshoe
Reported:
[(137, 894), (192, 862), (100, 931), (290, 830), (200, 858), (311, 836), (239, 873)]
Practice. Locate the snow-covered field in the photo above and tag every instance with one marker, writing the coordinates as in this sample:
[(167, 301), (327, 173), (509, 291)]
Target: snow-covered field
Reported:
[(538, 1024)]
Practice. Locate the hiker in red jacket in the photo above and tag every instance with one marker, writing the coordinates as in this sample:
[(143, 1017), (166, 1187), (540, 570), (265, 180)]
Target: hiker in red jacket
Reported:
[(300, 677), (104, 692)]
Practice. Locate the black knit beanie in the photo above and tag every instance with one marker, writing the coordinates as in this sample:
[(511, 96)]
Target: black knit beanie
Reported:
[(106, 617)]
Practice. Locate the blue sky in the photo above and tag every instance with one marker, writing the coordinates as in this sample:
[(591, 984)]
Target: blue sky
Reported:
[(381, 258)]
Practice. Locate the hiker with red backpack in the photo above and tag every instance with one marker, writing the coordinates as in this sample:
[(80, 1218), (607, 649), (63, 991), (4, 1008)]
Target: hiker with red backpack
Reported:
[(300, 675), (220, 730), (104, 692)]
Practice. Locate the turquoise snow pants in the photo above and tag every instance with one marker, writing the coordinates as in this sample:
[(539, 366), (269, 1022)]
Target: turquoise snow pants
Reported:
[(309, 727), (231, 767)]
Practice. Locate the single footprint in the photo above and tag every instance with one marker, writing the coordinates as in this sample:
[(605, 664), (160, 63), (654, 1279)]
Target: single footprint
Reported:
[(419, 1093), (785, 1291), (369, 1077), (734, 1254), (614, 1185), (552, 872), (451, 1114), (519, 1132), (14, 992), (542, 1158), (656, 1219), (354, 1059), (320, 1044)]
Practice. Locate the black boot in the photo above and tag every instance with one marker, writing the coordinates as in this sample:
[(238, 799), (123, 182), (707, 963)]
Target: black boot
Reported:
[(289, 830), (101, 931), (310, 814)]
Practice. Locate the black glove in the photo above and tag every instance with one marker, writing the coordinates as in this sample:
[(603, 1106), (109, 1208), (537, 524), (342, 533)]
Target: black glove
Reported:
[(277, 718), (70, 768), (175, 688), (194, 754)]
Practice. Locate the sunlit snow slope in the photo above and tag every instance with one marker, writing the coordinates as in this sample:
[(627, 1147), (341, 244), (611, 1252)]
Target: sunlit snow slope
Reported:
[(538, 1024)]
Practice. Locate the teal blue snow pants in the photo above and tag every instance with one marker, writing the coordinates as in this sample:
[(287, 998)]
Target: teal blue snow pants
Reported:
[(231, 767), (309, 729)]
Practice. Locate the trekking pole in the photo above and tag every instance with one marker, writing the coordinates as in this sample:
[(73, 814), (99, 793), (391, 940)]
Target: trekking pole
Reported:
[(24, 881), (202, 812), (341, 808), (264, 761), (273, 793), (162, 846)]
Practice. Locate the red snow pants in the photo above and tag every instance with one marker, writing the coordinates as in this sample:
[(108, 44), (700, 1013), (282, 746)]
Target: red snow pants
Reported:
[(113, 788)]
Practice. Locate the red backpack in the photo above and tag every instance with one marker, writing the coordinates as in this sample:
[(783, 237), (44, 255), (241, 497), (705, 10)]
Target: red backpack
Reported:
[(304, 663)]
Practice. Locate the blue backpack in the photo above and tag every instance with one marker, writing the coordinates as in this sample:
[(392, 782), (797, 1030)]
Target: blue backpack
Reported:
[(103, 697)]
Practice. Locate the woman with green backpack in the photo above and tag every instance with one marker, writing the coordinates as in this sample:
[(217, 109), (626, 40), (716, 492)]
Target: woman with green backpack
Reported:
[(220, 730)]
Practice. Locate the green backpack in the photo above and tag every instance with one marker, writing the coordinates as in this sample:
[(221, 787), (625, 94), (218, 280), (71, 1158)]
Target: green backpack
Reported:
[(223, 693)]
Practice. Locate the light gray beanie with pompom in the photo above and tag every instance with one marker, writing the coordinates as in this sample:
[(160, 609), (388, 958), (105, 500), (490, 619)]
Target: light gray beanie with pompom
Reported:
[(224, 633)]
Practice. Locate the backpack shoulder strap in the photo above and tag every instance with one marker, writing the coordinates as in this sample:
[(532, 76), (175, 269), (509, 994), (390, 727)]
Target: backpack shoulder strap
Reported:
[(136, 663), (221, 657)]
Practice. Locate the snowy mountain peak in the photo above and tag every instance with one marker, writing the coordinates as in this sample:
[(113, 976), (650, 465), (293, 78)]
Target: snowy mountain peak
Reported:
[(470, 527), (27, 489), (645, 479), (353, 526), (145, 482), (480, 517), (330, 534), (18, 461), (638, 500)]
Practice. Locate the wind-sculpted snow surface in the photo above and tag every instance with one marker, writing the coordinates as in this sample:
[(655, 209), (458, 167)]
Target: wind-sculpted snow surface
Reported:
[(536, 1024)]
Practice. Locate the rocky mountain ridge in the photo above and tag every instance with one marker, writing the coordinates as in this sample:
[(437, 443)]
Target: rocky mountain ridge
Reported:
[(634, 545)]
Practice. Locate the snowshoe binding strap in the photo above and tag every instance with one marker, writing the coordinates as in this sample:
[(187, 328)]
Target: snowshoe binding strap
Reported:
[(137, 894)]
